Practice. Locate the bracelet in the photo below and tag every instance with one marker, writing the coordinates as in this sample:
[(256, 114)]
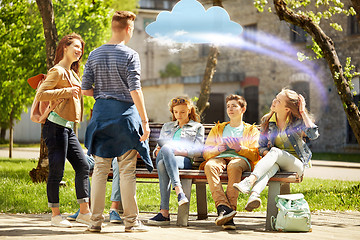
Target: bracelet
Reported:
[(144, 121)]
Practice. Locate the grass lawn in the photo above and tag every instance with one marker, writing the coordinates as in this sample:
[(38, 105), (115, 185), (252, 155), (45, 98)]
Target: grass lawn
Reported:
[(19, 195), (346, 157)]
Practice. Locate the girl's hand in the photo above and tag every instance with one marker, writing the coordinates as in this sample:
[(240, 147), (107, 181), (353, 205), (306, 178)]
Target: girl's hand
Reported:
[(221, 148), (302, 104), (265, 152), (233, 143), (75, 91), (180, 152), (157, 151)]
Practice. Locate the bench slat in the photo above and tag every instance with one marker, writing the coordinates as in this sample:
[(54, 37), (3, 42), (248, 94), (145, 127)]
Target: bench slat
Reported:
[(287, 177)]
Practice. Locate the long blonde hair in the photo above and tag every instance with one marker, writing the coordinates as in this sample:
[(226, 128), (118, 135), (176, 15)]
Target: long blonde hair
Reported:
[(292, 102), (184, 100)]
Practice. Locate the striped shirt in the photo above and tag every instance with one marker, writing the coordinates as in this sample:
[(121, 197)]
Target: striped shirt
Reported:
[(113, 71)]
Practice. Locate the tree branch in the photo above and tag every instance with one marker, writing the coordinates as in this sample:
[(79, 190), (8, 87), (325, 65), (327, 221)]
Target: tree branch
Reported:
[(327, 46)]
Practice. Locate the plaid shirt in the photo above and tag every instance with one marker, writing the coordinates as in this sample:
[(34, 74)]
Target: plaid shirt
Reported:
[(113, 71)]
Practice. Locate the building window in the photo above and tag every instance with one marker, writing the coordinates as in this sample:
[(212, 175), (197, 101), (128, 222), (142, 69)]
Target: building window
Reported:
[(251, 95), (216, 111), (303, 88), (147, 21), (204, 50), (297, 34), (157, 4), (354, 28), (249, 33)]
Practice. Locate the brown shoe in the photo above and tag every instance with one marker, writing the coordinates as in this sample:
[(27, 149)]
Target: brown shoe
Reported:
[(94, 228)]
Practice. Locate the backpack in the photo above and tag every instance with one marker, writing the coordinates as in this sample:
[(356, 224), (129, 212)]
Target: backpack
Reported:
[(40, 110), (294, 214)]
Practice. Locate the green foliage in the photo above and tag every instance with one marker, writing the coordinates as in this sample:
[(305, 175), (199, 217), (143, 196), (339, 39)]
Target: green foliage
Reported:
[(128, 5), (349, 73), (171, 70), (91, 21), (22, 50), (260, 4), (21, 56), (325, 9)]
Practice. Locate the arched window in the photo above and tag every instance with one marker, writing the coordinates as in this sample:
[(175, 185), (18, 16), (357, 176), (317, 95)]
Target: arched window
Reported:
[(250, 88), (251, 95)]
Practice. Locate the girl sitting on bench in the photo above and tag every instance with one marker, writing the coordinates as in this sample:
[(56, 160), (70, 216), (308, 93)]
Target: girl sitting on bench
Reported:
[(281, 144), (180, 140)]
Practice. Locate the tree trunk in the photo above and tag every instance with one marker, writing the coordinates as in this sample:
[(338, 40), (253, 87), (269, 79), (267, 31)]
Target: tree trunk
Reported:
[(2, 134), (205, 90), (47, 14), (356, 6), (40, 173), (11, 135), (327, 46), (210, 69)]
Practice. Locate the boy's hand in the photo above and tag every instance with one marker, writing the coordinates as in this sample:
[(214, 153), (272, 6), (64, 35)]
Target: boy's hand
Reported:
[(233, 143)]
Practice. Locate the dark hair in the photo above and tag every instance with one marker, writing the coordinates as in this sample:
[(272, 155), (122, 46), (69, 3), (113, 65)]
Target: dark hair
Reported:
[(241, 100), (122, 19), (65, 42), (183, 100)]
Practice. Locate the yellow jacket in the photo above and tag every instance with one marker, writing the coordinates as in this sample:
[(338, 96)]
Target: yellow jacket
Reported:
[(249, 143), (57, 86)]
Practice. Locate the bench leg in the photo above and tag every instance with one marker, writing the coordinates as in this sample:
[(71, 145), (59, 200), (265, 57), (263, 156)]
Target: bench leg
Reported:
[(274, 190), (183, 211), (285, 188), (201, 201)]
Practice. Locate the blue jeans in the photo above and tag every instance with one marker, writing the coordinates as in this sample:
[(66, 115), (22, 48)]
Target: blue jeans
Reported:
[(168, 166), (115, 191), (62, 143)]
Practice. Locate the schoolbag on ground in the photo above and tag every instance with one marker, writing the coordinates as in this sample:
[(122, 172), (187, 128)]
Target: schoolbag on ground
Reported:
[(294, 214)]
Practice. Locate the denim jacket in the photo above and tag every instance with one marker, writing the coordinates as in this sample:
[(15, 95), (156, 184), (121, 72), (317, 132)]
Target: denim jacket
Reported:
[(192, 132), (294, 133)]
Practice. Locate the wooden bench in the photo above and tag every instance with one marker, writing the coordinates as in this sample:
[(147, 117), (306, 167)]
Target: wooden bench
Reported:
[(278, 184)]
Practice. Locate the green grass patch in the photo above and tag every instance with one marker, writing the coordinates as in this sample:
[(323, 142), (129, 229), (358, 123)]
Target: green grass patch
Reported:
[(342, 157), (23, 145), (19, 195)]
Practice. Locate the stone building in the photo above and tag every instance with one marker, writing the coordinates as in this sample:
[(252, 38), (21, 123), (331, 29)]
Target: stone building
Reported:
[(258, 70)]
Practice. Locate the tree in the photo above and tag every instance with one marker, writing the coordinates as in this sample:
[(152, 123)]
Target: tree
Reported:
[(19, 59), (210, 69), (90, 19), (324, 46)]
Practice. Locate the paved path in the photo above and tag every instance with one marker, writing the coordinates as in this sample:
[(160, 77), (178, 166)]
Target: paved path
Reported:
[(326, 225)]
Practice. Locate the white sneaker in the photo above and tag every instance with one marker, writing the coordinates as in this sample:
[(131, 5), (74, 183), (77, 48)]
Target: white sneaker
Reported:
[(58, 221), (244, 186), (139, 227), (84, 218), (253, 202)]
